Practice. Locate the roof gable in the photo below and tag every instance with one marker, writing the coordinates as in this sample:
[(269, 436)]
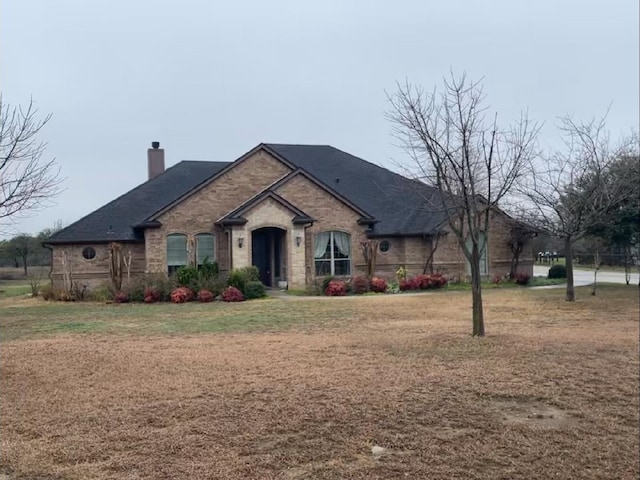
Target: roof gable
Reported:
[(236, 217)]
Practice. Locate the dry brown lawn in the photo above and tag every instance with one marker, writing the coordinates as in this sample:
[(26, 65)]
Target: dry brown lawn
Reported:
[(551, 392)]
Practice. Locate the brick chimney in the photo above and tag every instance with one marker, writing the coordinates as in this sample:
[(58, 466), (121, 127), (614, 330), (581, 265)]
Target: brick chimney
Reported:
[(155, 160)]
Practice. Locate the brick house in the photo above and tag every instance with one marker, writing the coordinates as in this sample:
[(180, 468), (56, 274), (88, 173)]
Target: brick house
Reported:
[(297, 212)]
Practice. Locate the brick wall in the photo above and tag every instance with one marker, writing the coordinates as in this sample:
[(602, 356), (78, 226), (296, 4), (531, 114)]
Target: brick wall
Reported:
[(94, 272), (329, 213), (199, 212)]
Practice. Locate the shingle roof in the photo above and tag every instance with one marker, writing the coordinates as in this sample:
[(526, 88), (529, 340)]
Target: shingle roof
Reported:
[(116, 220), (400, 205)]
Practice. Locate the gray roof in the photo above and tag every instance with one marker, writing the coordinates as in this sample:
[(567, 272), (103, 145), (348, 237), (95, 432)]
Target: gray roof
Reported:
[(117, 220), (400, 205)]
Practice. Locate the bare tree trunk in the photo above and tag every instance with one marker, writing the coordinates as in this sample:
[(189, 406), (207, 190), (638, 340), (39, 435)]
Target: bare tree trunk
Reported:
[(568, 252), (476, 293), (515, 261), (24, 267), (428, 264), (597, 261)]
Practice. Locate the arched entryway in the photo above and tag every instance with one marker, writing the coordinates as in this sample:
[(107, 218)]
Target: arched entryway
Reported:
[(269, 253)]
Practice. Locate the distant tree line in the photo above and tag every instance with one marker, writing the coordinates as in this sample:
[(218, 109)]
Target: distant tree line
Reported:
[(24, 251)]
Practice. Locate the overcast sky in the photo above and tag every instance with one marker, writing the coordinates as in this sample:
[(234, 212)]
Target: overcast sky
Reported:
[(210, 80)]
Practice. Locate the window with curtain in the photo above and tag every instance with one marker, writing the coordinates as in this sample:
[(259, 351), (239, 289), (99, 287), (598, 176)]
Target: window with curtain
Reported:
[(177, 255), (332, 253), (205, 248)]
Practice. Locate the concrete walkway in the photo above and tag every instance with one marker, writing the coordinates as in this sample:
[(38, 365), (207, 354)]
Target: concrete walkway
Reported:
[(585, 277)]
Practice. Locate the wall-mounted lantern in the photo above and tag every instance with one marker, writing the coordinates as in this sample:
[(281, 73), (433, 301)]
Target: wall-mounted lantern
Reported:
[(298, 240), (240, 241)]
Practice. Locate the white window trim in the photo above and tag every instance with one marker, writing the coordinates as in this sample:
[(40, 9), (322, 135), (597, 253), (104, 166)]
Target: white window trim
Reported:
[(332, 260)]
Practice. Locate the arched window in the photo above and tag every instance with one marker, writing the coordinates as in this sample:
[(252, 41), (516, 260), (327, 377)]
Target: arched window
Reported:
[(332, 252), (205, 248), (177, 255), (482, 242)]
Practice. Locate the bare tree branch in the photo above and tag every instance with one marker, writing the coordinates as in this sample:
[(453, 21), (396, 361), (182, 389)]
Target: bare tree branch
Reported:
[(469, 159), (27, 182)]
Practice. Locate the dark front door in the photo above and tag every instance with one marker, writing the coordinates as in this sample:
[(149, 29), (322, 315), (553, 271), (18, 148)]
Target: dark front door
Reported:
[(266, 254)]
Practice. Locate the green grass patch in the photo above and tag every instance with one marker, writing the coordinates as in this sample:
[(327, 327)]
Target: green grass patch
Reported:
[(14, 289), (38, 319)]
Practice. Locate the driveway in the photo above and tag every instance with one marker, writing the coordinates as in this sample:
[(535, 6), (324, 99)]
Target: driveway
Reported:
[(585, 277)]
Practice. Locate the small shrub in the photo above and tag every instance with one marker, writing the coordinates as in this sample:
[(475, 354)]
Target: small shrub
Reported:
[(181, 295), (378, 285), (101, 294), (522, 278), (187, 277), (557, 271), (151, 295), (121, 297), (208, 269), (205, 296), (336, 288), (401, 273), (47, 292), (359, 285), (232, 294), (393, 287), (438, 280), (238, 277), (325, 282), (254, 289), (497, 280)]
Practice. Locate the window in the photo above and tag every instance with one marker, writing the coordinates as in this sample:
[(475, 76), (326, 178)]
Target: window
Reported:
[(484, 266), (385, 245), (205, 248), (89, 253), (333, 253), (176, 252)]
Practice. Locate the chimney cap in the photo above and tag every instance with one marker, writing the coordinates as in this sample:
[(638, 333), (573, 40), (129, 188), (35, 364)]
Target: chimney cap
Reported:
[(155, 144)]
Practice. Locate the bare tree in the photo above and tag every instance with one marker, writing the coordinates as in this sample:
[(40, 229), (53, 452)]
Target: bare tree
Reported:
[(570, 190), (27, 181), (459, 149)]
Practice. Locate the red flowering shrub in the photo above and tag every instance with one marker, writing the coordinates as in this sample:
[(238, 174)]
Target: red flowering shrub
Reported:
[(181, 295), (496, 280), (151, 295), (205, 296), (232, 294), (378, 285), (521, 278), (121, 297), (336, 288), (423, 282), (438, 280), (360, 284)]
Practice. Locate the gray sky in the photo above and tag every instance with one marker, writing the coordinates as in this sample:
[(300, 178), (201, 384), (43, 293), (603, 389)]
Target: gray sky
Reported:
[(210, 80)]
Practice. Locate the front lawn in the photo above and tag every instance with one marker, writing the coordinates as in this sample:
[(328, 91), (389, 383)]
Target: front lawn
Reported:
[(294, 388)]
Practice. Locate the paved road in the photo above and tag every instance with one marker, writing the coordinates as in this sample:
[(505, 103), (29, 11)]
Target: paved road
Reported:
[(585, 277)]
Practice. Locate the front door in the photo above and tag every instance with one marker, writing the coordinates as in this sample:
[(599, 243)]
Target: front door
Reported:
[(266, 254)]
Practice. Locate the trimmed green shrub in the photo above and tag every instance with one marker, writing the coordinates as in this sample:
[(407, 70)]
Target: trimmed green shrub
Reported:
[(208, 270), (187, 277), (238, 277), (557, 271), (254, 289)]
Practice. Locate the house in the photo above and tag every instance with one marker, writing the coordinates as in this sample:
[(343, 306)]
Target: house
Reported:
[(297, 212)]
